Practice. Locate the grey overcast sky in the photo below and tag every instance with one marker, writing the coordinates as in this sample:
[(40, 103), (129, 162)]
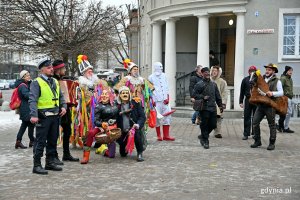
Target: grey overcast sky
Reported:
[(119, 2)]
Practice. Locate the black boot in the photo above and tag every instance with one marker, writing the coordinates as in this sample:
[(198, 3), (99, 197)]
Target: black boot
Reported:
[(37, 167), (206, 144), (31, 143), (201, 139), (257, 143), (68, 157), (57, 161), (140, 157), (271, 145), (51, 165)]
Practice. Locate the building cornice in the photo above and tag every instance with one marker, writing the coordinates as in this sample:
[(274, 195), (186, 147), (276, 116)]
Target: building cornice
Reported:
[(197, 8)]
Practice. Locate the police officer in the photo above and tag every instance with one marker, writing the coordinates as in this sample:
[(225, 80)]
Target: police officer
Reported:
[(46, 104)]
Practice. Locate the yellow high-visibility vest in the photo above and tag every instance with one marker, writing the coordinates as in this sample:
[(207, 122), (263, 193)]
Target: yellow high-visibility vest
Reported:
[(47, 98)]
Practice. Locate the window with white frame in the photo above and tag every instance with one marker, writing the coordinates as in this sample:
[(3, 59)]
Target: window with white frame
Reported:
[(289, 34)]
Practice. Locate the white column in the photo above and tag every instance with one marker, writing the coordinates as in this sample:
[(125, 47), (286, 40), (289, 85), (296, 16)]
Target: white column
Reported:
[(203, 41), (170, 58), (239, 57), (156, 43)]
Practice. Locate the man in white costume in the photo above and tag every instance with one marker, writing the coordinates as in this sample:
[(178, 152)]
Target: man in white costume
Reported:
[(161, 99)]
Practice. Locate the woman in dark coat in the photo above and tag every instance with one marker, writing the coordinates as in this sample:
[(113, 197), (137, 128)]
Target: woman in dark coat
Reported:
[(23, 85)]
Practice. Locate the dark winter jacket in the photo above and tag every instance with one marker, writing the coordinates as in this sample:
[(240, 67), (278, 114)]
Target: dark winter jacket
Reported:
[(136, 115), (105, 112), (245, 89), (195, 78), (208, 88), (23, 91), (287, 85)]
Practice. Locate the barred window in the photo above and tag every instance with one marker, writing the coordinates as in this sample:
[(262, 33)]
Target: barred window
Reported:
[(291, 35)]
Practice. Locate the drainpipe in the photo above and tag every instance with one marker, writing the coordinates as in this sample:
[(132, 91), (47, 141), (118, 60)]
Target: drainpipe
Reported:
[(138, 45)]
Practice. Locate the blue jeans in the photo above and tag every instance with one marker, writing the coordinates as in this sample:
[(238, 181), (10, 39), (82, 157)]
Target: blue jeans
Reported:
[(194, 117)]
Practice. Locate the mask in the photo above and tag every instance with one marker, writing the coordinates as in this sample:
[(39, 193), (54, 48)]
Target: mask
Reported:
[(125, 95), (105, 97), (158, 68)]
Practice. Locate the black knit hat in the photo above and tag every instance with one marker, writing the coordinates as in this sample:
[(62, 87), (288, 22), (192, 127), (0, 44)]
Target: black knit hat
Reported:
[(204, 69), (287, 68)]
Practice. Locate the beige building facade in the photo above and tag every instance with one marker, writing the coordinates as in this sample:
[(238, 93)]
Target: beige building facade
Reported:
[(180, 34)]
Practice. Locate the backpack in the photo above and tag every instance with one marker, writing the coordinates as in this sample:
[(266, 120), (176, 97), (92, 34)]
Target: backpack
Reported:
[(15, 100)]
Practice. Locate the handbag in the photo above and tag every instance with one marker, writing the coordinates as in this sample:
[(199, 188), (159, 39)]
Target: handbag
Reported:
[(152, 119), (198, 105)]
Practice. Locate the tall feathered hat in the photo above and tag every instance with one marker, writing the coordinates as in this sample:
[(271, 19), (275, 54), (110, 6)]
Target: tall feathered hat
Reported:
[(128, 64), (83, 63), (125, 62)]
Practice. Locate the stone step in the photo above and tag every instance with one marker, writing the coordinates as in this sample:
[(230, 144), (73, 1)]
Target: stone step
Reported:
[(187, 112)]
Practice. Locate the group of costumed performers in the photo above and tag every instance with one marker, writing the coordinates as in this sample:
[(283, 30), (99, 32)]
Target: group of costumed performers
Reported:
[(100, 110)]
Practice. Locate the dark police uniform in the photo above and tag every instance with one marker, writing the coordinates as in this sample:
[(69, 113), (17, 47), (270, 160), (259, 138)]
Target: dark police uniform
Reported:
[(45, 101)]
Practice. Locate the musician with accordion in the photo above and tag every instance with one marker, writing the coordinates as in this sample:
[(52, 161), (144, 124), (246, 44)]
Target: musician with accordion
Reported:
[(68, 87)]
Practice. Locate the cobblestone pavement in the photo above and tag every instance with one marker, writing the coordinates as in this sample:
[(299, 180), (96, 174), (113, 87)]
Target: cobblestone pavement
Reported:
[(230, 169)]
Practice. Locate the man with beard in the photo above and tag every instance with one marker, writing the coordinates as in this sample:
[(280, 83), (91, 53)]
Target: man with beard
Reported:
[(263, 110), (131, 115), (161, 99), (87, 83), (207, 92), (46, 104), (88, 80), (59, 73)]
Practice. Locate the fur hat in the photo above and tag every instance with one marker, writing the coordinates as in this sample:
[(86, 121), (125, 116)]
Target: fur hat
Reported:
[(123, 88), (44, 63), (23, 73), (57, 64), (83, 63)]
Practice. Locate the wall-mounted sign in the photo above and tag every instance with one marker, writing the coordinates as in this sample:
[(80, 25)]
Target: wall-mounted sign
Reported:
[(260, 31)]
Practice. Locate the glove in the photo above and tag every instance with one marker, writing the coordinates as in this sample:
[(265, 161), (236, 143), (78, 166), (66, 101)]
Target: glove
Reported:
[(221, 109), (166, 101), (136, 126), (206, 97), (224, 106)]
